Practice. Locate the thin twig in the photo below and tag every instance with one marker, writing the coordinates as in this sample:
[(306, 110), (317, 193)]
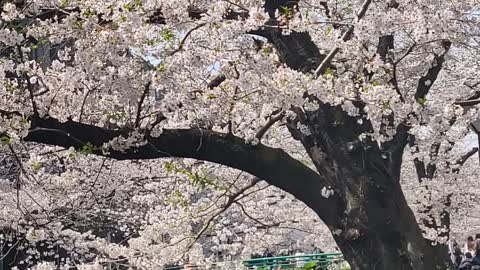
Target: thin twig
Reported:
[(184, 39), (29, 85), (146, 90), (231, 200), (273, 119), (346, 36), (18, 183), (274, 225), (84, 102), (406, 54), (8, 251), (237, 5)]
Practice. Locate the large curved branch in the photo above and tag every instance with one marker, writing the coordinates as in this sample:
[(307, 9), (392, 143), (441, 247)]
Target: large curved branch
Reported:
[(270, 164)]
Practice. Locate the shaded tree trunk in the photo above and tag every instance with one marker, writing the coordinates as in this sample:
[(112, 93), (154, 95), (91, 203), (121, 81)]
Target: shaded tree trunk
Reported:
[(384, 234), (374, 226), (367, 214)]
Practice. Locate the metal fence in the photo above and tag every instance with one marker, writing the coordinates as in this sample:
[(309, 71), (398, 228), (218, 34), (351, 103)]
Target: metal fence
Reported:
[(321, 261)]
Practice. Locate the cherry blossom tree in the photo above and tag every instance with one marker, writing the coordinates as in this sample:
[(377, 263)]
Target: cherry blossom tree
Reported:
[(336, 103), (143, 215)]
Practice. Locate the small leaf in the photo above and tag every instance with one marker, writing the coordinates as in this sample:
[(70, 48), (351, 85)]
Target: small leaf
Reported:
[(329, 72), (87, 149), (309, 266), (329, 30), (5, 140), (167, 34), (64, 3), (161, 68), (267, 50), (375, 83), (422, 101), (89, 12), (37, 166), (129, 7), (286, 11), (169, 167)]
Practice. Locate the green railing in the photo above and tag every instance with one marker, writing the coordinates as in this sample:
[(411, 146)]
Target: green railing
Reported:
[(307, 261), (320, 261)]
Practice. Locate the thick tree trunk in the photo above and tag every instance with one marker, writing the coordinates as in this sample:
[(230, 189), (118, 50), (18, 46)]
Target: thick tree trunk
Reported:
[(368, 215), (381, 233), (388, 238), (374, 226)]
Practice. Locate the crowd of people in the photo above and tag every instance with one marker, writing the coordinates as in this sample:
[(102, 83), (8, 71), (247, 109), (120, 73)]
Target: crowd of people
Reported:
[(467, 258)]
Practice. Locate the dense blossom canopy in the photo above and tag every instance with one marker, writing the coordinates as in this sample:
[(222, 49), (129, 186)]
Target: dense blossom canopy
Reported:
[(148, 68)]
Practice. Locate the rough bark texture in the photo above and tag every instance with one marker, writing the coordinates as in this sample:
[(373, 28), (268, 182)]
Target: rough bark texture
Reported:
[(368, 214), (375, 228)]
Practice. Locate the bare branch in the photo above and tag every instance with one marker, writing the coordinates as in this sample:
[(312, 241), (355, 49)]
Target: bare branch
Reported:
[(157, 17), (237, 5), (423, 87), (197, 13), (346, 36), (409, 51), (255, 219), (84, 101), (385, 44), (328, 13), (231, 200), (273, 119), (146, 90), (273, 165), (184, 39), (216, 81), (428, 170), (468, 102), (9, 114)]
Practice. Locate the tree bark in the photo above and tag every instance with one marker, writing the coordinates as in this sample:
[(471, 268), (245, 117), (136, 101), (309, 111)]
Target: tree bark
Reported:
[(270, 164), (375, 228), (389, 238), (368, 215)]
